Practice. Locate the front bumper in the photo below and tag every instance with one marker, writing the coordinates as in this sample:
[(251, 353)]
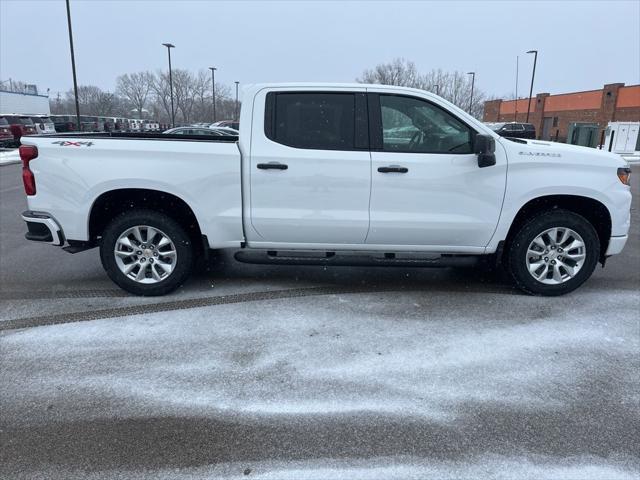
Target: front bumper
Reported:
[(616, 244), (42, 227)]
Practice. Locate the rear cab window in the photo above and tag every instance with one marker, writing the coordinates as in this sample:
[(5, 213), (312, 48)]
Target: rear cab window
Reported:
[(316, 120)]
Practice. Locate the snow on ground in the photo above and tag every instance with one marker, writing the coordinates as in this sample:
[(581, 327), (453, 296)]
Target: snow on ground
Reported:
[(376, 385), (9, 156), (490, 467), (276, 358)]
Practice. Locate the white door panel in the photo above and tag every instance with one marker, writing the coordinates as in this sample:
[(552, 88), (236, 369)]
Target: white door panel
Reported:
[(322, 197), (442, 200)]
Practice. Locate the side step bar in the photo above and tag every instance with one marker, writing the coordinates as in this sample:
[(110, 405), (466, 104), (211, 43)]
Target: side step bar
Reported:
[(271, 257)]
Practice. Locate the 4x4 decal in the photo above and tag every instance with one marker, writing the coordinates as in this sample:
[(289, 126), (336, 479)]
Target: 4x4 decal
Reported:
[(66, 143)]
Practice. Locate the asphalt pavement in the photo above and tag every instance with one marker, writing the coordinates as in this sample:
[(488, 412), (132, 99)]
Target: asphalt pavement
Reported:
[(310, 372)]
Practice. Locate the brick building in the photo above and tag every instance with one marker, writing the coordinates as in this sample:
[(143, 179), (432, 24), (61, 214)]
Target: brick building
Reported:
[(554, 115)]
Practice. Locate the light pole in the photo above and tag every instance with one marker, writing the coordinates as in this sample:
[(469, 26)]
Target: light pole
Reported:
[(73, 68), (173, 114), (515, 117), (213, 90), (437, 87), (236, 115), (473, 81), (533, 75)]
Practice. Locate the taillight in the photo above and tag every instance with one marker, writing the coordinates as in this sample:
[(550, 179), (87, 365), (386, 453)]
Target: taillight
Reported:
[(28, 153)]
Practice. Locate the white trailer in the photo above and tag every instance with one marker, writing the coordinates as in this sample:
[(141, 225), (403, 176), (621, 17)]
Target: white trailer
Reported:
[(623, 138), (24, 103)]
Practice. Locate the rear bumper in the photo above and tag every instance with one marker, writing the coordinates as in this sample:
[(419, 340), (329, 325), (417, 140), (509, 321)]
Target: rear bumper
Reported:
[(42, 227), (616, 244)]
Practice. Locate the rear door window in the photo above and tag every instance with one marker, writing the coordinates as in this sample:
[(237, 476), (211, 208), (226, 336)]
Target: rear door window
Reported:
[(313, 120)]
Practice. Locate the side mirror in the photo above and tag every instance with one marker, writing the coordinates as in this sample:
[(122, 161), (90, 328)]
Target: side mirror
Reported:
[(485, 146)]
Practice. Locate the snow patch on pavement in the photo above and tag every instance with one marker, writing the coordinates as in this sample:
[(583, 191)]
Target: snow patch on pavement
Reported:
[(320, 355), (9, 156)]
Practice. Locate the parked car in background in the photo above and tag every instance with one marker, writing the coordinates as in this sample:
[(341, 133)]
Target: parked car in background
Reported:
[(514, 129), (64, 123), (6, 137), (135, 125), (122, 124), (225, 130), (43, 124), (89, 124), (235, 124), (214, 132), (151, 126), (20, 125)]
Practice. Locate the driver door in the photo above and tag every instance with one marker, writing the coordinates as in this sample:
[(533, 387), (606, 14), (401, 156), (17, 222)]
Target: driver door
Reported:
[(427, 191)]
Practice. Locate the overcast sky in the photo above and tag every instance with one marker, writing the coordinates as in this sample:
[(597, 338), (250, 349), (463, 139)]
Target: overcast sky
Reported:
[(582, 44)]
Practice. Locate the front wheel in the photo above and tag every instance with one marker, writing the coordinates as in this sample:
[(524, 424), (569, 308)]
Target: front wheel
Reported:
[(146, 253), (554, 253)]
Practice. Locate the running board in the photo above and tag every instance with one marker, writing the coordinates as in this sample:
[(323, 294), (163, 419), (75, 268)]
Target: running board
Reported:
[(353, 259)]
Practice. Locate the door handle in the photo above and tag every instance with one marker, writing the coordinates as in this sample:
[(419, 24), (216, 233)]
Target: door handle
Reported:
[(393, 169), (272, 166)]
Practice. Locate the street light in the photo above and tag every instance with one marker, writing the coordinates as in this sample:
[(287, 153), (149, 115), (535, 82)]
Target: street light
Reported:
[(473, 81), (173, 115), (437, 87), (515, 117), (73, 68), (213, 90), (237, 83), (533, 75)]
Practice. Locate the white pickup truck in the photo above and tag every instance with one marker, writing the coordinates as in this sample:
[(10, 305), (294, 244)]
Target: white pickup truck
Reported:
[(328, 174)]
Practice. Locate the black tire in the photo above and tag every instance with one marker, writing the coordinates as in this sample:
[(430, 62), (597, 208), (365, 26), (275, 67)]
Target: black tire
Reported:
[(516, 254), (183, 245)]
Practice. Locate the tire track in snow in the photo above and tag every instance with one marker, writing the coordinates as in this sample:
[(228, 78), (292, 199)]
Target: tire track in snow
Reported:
[(83, 316)]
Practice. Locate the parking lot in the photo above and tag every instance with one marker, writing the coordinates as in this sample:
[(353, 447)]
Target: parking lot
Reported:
[(310, 372)]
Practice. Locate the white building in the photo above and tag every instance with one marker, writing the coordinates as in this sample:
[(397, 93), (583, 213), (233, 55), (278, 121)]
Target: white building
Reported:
[(24, 103)]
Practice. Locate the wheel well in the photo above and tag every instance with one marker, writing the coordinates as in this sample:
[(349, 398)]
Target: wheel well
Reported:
[(594, 211), (115, 202)]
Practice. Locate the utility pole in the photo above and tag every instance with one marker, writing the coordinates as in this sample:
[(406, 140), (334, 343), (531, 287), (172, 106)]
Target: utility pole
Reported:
[(213, 90), (173, 114), (533, 75), (515, 117), (473, 81), (73, 68), (236, 115)]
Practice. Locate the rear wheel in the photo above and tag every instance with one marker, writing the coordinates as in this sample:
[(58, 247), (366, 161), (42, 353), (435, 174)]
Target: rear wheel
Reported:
[(554, 253), (146, 252)]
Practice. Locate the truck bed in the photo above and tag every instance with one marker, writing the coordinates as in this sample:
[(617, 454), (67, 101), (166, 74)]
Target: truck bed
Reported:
[(141, 136), (73, 171)]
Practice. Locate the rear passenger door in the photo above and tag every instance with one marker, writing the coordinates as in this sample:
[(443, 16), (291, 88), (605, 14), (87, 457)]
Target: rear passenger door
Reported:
[(310, 168)]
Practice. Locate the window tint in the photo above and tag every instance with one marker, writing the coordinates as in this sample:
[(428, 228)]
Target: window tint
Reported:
[(322, 121), (414, 125)]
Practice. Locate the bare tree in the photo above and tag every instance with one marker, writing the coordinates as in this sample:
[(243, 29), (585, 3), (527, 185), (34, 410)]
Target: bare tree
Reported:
[(134, 89), (452, 86), (398, 72), (92, 100), (149, 92)]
